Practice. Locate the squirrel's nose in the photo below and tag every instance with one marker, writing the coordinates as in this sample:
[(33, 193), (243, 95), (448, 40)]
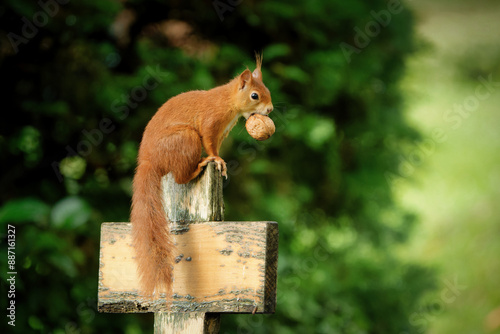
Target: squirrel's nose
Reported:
[(269, 109)]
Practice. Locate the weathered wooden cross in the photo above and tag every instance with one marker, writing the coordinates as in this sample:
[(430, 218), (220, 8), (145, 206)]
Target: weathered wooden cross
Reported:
[(220, 266)]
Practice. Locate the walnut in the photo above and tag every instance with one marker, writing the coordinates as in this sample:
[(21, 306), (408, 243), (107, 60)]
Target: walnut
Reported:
[(260, 127)]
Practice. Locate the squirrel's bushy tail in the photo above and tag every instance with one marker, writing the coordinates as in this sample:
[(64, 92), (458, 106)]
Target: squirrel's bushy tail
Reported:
[(150, 231)]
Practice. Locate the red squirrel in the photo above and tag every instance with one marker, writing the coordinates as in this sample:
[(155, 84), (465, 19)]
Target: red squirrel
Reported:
[(172, 143)]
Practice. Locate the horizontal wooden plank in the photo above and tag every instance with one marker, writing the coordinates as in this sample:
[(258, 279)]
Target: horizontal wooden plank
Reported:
[(220, 267)]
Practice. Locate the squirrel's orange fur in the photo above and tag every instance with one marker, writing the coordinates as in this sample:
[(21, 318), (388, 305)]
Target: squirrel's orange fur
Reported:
[(172, 142)]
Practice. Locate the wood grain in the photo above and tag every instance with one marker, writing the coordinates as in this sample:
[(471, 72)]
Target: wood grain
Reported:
[(199, 200), (186, 323)]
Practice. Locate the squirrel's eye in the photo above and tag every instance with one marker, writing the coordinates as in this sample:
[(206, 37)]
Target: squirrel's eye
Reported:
[(254, 96)]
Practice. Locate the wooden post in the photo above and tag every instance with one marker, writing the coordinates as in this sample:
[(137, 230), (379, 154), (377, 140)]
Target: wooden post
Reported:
[(200, 200), (220, 266)]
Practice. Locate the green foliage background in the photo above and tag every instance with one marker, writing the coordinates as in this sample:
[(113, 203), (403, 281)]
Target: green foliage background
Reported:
[(325, 176)]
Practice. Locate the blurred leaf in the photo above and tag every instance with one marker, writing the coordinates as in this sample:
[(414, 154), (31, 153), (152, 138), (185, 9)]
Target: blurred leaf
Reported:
[(35, 323), (24, 210), (292, 72), (73, 167), (322, 132), (70, 213), (64, 263), (276, 50)]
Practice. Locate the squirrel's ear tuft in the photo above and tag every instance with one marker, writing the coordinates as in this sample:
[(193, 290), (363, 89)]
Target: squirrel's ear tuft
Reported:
[(245, 78), (258, 60)]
